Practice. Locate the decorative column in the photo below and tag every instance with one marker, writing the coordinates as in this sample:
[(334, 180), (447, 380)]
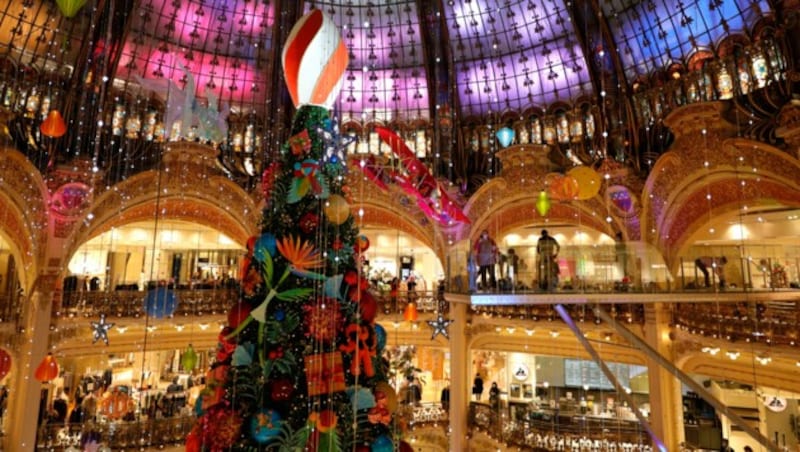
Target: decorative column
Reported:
[(789, 127), (665, 390), (33, 346), (459, 378)]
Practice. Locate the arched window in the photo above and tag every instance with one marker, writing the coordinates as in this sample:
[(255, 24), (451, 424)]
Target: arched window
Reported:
[(743, 72), (562, 127), (118, 120), (576, 127), (588, 119), (549, 131), (536, 130), (724, 83)]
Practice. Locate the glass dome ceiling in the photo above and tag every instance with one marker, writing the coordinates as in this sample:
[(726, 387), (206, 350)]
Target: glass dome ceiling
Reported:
[(476, 57)]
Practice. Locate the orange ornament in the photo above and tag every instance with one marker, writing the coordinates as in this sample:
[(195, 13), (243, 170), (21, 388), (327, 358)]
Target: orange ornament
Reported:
[(54, 126), (47, 369)]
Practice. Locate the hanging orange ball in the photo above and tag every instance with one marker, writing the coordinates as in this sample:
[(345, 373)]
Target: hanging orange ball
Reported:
[(54, 126), (47, 369)]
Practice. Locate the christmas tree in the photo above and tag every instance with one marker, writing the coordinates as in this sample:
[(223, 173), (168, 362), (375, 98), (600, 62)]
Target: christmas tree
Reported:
[(299, 366)]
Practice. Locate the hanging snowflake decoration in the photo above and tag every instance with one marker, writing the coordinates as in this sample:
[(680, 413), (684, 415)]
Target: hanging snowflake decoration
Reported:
[(334, 144)]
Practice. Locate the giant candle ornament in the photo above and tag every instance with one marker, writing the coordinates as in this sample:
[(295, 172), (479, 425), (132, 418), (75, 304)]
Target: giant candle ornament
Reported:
[(314, 60)]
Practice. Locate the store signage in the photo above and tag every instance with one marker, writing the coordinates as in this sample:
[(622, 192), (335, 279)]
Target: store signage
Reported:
[(521, 372), (775, 403)]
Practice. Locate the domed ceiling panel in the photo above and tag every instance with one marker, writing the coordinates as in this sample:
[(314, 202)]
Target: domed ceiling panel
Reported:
[(650, 35), (386, 78), (514, 54), (226, 46)]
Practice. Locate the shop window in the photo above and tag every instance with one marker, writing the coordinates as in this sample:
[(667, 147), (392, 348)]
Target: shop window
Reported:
[(745, 82), (249, 139), (421, 143), (522, 136), (724, 83), (536, 131), (118, 120), (149, 125), (588, 119)]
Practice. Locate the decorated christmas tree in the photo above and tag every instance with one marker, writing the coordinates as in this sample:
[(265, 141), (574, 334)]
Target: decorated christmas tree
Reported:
[(299, 365)]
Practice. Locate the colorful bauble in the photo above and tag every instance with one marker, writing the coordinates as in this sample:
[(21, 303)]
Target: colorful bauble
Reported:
[(281, 389), (314, 60), (337, 210), (160, 302), (543, 203), (265, 425), (361, 244), (382, 444), (588, 181), (189, 358)]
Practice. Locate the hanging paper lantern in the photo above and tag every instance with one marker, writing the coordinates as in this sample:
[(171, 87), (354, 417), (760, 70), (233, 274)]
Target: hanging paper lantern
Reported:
[(505, 136), (543, 203), (337, 210), (70, 7), (53, 126), (47, 369), (410, 314), (588, 181), (5, 363), (314, 60), (189, 358)]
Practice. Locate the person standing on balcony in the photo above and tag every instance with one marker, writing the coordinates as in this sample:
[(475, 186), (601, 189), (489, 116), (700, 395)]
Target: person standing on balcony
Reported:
[(547, 249), (477, 387), (717, 264), (486, 255)]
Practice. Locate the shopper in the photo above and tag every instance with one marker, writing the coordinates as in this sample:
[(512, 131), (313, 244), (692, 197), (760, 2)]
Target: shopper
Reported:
[(477, 387), (547, 249), (717, 264), (486, 255)]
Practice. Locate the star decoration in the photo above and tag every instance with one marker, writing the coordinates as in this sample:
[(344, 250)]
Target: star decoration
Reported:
[(335, 143), (100, 329), (439, 326)]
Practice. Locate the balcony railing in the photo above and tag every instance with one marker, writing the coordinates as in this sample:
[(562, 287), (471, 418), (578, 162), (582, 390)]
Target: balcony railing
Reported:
[(118, 436), (130, 303)]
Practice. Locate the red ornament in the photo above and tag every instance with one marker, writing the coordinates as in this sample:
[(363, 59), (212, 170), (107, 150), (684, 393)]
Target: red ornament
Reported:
[(323, 323), (351, 277), (361, 343), (309, 222), (221, 427), (268, 179), (5, 363), (281, 389), (337, 245), (47, 369), (237, 314), (194, 441), (225, 348), (368, 307)]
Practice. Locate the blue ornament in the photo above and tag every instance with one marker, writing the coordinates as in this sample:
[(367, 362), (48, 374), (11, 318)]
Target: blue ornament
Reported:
[(382, 444), (363, 398), (198, 407), (242, 355), (160, 302), (265, 425), (266, 243), (280, 314), (333, 287), (380, 334)]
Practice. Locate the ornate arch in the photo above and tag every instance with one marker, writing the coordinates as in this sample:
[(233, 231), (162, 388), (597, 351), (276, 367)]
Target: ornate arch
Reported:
[(24, 220)]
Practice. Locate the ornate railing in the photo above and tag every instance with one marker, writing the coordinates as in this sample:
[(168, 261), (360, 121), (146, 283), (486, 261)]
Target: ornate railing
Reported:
[(130, 303), (118, 436), (530, 429)]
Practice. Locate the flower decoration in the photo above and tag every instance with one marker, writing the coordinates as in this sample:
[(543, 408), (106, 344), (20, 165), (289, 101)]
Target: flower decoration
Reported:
[(302, 256), (307, 177), (221, 426), (323, 319)]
